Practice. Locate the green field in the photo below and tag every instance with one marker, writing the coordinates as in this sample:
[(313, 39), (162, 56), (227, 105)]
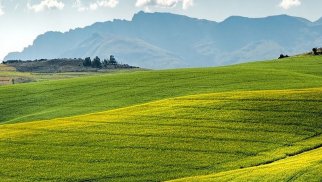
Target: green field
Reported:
[(249, 122), (303, 167), (8, 72), (61, 98)]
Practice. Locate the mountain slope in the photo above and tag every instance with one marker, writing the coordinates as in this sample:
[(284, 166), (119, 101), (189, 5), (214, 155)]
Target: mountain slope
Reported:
[(167, 139), (318, 22), (137, 51), (167, 39)]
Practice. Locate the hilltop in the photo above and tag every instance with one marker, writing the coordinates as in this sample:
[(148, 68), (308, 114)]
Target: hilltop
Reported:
[(164, 40)]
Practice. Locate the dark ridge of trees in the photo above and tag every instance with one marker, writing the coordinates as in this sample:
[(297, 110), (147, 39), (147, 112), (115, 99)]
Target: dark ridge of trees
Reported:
[(105, 63), (109, 62), (96, 63), (112, 60), (67, 64), (87, 62), (12, 61), (317, 51), (282, 56), (39, 60)]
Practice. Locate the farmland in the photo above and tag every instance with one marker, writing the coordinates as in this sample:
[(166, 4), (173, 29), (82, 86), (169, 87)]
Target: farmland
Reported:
[(242, 122), (166, 139), (68, 97), (7, 73), (304, 167)]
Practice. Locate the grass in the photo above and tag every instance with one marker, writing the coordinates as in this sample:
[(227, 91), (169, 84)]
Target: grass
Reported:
[(6, 68), (249, 122), (5, 78), (69, 97), (304, 167), (7, 73), (169, 139)]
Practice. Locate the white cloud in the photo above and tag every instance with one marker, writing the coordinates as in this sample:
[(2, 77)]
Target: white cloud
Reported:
[(164, 3), (79, 5), (46, 5), (95, 5), (287, 4), (187, 3), (107, 3)]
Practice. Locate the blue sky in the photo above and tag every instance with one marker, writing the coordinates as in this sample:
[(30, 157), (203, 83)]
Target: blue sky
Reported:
[(22, 20)]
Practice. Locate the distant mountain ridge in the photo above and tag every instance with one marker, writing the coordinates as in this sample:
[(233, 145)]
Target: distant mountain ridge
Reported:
[(164, 40)]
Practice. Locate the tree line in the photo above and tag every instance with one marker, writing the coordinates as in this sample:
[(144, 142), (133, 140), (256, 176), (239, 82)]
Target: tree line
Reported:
[(97, 63), (317, 51), (74, 63)]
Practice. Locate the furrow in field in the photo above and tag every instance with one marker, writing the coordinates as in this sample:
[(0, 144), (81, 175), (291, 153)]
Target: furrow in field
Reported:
[(305, 166)]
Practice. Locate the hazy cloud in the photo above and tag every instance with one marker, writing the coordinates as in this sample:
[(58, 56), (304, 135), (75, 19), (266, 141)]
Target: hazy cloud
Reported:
[(46, 5), (95, 5), (164, 3), (1, 10), (287, 4)]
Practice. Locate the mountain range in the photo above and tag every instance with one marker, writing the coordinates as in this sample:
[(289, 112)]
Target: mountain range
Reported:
[(164, 40)]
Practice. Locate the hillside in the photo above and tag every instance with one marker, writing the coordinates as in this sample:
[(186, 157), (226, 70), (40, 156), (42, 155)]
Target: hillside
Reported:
[(167, 139), (302, 167), (244, 122), (163, 40), (51, 99), (4, 78), (9, 75)]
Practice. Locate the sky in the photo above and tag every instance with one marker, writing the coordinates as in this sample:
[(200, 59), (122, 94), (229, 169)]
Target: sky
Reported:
[(21, 21)]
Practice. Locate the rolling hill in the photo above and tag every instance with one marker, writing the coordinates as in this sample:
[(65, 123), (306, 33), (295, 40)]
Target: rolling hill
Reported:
[(244, 122), (52, 99), (302, 167), (163, 40), (167, 139)]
